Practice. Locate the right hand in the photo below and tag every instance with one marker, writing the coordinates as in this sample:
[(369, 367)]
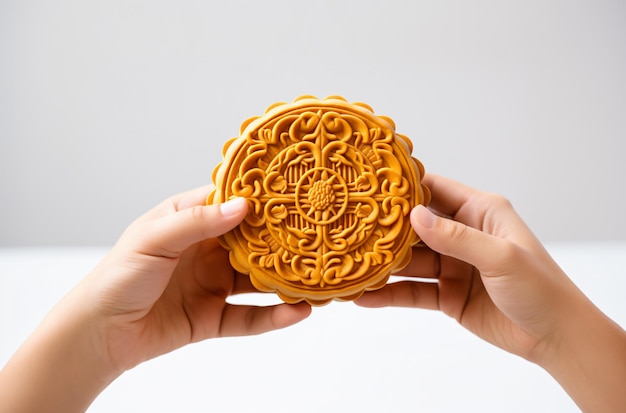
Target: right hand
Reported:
[(494, 277), (497, 280)]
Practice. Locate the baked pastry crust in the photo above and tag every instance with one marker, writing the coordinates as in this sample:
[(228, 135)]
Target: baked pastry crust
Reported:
[(331, 187)]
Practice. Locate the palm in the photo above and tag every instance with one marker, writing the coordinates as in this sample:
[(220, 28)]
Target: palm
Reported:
[(166, 313), (462, 295), (193, 305)]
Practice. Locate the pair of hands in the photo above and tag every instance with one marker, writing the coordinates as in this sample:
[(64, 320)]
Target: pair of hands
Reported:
[(166, 282)]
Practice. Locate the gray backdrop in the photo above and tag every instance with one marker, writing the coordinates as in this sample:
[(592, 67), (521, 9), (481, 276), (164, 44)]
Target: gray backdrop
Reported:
[(107, 107)]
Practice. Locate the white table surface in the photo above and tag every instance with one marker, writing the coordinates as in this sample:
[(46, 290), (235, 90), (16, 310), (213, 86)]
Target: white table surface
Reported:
[(343, 358)]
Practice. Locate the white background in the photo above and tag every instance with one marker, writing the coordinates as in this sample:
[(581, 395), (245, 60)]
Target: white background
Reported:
[(108, 107), (342, 358)]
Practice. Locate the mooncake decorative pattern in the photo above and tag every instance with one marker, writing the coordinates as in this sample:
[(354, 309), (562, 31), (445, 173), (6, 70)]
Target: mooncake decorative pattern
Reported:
[(330, 187)]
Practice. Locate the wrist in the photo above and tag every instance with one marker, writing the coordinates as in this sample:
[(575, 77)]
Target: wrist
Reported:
[(586, 354), (62, 366)]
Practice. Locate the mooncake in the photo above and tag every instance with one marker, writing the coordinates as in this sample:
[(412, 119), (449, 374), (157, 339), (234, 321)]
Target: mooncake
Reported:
[(330, 187)]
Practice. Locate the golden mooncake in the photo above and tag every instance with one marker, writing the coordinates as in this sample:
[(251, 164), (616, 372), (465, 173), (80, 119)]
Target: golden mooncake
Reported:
[(330, 187)]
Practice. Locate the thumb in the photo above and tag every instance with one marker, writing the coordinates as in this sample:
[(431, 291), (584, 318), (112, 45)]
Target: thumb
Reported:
[(457, 240), (172, 234)]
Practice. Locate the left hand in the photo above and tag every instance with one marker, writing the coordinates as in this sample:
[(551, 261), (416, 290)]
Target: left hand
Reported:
[(166, 281), (163, 285)]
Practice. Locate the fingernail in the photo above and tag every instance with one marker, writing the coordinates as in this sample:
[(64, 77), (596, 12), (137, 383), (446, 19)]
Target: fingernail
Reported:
[(232, 207), (424, 216)]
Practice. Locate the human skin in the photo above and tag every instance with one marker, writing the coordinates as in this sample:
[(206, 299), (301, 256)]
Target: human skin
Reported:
[(163, 285), (497, 280)]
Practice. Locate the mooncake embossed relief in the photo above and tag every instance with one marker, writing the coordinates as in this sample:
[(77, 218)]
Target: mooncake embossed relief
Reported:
[(330, 186)]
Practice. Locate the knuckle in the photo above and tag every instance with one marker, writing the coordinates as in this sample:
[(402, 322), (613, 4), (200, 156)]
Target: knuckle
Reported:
[(498, 201), (506, 256), (508, 252), (455, 230), (197, 213)]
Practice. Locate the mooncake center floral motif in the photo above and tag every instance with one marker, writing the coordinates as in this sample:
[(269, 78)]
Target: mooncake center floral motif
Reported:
[(321, 195), (331, 188)]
